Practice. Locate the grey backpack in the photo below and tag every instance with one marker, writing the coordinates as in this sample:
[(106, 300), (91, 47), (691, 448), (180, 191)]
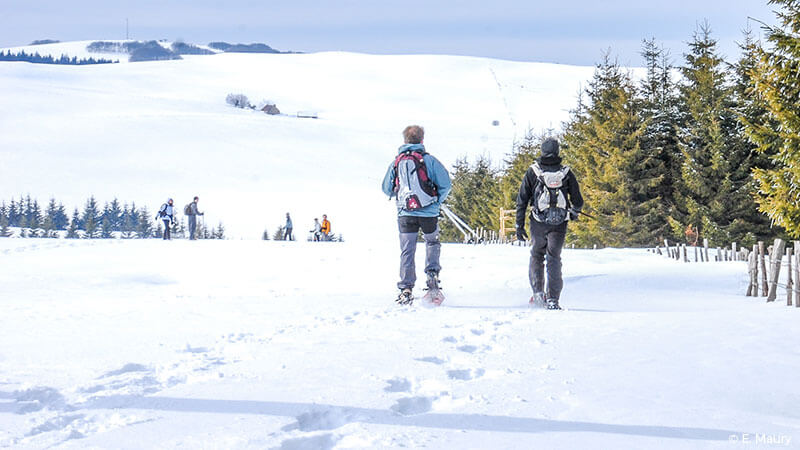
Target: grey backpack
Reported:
[(550, 205)]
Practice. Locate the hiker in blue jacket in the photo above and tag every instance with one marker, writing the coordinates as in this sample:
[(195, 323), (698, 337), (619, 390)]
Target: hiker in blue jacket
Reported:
[(420, 183)]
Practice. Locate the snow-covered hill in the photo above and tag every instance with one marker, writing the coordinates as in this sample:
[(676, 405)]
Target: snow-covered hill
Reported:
[(151, 130), (248, 344)]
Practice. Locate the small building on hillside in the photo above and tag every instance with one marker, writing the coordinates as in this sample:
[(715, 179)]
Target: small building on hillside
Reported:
[(270, 109)]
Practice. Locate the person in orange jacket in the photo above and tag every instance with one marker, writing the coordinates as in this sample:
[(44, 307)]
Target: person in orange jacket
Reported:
[(326, 228)]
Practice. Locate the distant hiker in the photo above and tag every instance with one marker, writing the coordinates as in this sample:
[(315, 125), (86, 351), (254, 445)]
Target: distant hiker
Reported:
[(420, 183), (316, 230), (192, 212), (167, 214), (287, 229), (326, 228), (553, 193)]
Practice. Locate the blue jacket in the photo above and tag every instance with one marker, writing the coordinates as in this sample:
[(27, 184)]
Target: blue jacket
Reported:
[(437, 173)]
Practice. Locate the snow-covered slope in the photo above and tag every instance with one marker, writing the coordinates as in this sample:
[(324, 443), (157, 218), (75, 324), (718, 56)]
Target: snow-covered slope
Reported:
[(151, 130), (232, 344)]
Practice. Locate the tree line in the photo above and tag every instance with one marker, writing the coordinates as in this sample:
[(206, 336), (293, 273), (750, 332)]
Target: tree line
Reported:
[(709, 154), (36, 58), (113, 220)]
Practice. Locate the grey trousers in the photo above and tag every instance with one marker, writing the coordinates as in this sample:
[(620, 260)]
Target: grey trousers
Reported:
[(546, 244), (192, 226), (409, 227)]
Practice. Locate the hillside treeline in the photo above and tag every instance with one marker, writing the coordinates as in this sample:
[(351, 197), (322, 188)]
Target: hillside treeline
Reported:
[(703, 149), (111, 220)]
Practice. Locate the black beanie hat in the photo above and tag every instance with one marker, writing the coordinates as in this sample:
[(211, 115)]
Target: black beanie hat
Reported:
[(550, 147)]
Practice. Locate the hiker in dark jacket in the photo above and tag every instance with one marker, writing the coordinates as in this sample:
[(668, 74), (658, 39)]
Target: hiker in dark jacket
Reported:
[(192, 213), (167, 214), (287, 229), (552, 191)]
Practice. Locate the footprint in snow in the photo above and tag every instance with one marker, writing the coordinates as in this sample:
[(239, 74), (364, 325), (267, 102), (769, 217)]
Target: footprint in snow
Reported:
[(431, 359), (465, 374), (398, 385), (410, 406)]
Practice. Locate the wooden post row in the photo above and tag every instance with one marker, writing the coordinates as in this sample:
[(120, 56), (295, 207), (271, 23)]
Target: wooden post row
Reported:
[(775, 260)]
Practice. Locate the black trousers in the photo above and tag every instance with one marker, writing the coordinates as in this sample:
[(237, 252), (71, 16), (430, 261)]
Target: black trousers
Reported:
[(547, 242), (166, 229)]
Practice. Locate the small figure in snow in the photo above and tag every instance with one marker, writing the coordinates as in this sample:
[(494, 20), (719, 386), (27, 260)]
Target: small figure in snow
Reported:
[(420, 183), (326, 228), (287, 229), (552, 191), (167, 214), (316, 230), (192, 212)]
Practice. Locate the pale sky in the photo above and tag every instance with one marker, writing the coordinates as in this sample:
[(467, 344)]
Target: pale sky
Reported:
[(567, 31)]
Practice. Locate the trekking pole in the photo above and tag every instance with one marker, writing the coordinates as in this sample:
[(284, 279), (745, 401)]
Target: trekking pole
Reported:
[(587, 215)]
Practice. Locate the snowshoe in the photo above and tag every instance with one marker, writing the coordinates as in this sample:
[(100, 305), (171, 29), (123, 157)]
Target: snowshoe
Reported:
[(406, 297), (552, 303), (537, 300), (434, 295)]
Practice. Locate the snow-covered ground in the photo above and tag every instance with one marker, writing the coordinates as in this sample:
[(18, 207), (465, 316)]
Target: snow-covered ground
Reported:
[(251, 344)]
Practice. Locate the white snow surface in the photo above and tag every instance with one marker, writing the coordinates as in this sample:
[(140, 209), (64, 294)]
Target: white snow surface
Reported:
[(251, 344), (147, 131)]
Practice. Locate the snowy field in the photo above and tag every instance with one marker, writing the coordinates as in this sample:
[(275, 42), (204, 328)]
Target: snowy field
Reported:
[(251, 344), (146, 131)]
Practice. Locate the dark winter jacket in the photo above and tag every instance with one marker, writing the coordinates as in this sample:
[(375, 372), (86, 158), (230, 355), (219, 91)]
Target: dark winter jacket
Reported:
[(193, 209), (570, 188)]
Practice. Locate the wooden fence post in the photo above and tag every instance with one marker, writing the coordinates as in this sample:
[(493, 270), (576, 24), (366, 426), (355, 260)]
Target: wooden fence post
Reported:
[(719, 254), (695, 254), (797, 273), (750, 271), (789, 281), (764, 285), (776, 269), (733, 251), (705, 248)]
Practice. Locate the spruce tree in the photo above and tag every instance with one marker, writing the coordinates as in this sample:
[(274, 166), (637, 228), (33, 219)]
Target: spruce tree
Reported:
[(114, 214), (617, 178), (5, 230), (144, 229), (91, 218), (658, 106), (708, 183), (74, 225), (475, 197), (776, 83), (60, 219)]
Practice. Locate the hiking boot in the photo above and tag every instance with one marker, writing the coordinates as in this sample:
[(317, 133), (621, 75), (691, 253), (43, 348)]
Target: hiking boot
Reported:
[(433, 280), (405, 297), (537, 301), (552, 303)]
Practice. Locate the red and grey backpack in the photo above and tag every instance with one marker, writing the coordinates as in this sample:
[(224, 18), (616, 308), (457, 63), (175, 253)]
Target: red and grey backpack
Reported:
[(413, 188)]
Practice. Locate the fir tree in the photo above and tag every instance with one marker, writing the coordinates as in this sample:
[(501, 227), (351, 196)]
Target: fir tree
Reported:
[(658, 106), (776, 83), (265, 235), (114, 214), (278, 236), (72, 230), (475, 197), (219, 232), (5, 231), (91, 218), (616, 176), (60, 219), (707, 181), (144, 228)]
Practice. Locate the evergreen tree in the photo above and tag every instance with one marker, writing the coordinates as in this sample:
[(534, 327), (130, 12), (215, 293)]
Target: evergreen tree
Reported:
[(278, 236), (219, 232), (475, 197), (114, 214), (776, 83), (144, 228), (265, 235), (5, 231), (708, 182), (48, 224), (72, 230), (106, 229), (523, 155), (14, 213), (91, 218), (617, 177), (658, 106), (60, 219)]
